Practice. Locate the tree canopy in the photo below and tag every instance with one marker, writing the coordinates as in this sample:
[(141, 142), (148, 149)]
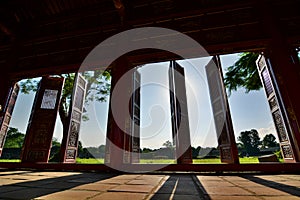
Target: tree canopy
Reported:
[(250, 141), (269, 141), (243, 74), (14, 138)]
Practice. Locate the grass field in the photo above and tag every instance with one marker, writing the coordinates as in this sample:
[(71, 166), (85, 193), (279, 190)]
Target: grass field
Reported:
[(156, 161), (170, 161), (10, 160)]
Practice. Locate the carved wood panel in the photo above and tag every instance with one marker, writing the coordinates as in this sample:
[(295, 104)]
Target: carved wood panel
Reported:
[(221, 113), (8, 110), (39, 133), (132, 124), (276, 108), (179, 114), (70, 142)]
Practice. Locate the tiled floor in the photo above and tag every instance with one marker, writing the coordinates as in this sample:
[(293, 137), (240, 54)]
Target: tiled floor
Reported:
[(77, 185)]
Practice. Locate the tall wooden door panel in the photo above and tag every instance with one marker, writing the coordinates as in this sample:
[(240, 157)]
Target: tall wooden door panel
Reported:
[(221, 113), (69, 147), (7, 113), (38, 139), (277, 109)]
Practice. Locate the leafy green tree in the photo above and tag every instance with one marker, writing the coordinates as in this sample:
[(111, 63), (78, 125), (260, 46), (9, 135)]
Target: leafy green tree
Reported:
[(195, 152), (269, 141), (168, 144), (250, 141), (243, 73), (14, 138)]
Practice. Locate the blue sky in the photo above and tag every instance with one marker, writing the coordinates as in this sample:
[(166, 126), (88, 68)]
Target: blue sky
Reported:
[(248, 110)]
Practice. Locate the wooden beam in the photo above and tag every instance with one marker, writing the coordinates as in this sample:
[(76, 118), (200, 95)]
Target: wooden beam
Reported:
[(7, 31), (216, 168), (121, 10)]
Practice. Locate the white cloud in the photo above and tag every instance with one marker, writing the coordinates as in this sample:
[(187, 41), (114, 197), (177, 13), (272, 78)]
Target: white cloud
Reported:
[(267, 130)]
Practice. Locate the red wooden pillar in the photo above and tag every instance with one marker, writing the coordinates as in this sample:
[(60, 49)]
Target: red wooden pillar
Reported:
[(115, 153), (285, 69)]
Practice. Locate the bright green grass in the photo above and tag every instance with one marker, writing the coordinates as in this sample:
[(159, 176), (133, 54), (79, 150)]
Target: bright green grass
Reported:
[(169, 161), (156, 161), (10, 160), (89, 161), (249, 160), (207, 161)]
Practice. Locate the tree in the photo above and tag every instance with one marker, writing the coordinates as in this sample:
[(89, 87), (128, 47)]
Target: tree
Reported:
[(243, 73), (250, 141), (269, 141), (195, 152), (168, 144), (14, 138)]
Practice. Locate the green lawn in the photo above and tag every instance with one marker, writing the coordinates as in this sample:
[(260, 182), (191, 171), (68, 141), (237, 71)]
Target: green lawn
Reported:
[(89, 161), (249, 160), (10, 160), (156, 161), (170, 161)]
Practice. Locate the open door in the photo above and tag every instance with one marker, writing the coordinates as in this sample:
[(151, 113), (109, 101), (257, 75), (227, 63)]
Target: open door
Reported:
[(288, 150), (69, 146), (179, 114), (39, 133), (221, 112), (132, 124), (7, 113)]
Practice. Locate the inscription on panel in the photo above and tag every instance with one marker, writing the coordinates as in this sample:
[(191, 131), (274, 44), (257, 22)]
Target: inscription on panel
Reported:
[(71, 154), (74, 134), (261, 63), (267, 82), (79, 98), (7, 119), (2, 135), (280, 126), (81, 82), (287, 151), (49, 99), (273, 103), (76, 115), (12, 102), (225, 152)]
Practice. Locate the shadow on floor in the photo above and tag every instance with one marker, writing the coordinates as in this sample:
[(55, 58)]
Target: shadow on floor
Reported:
[(30, 189), (275, 185), (181, 187)]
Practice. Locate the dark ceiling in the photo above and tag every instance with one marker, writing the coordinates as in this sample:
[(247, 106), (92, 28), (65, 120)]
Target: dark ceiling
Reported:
[(44, 36)]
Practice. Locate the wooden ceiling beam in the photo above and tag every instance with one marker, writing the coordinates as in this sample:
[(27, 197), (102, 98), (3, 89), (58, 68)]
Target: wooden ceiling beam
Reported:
[(4, 29), (121, 10)]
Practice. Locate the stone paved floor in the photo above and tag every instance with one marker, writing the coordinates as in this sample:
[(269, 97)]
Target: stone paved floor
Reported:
[(77, 185)]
